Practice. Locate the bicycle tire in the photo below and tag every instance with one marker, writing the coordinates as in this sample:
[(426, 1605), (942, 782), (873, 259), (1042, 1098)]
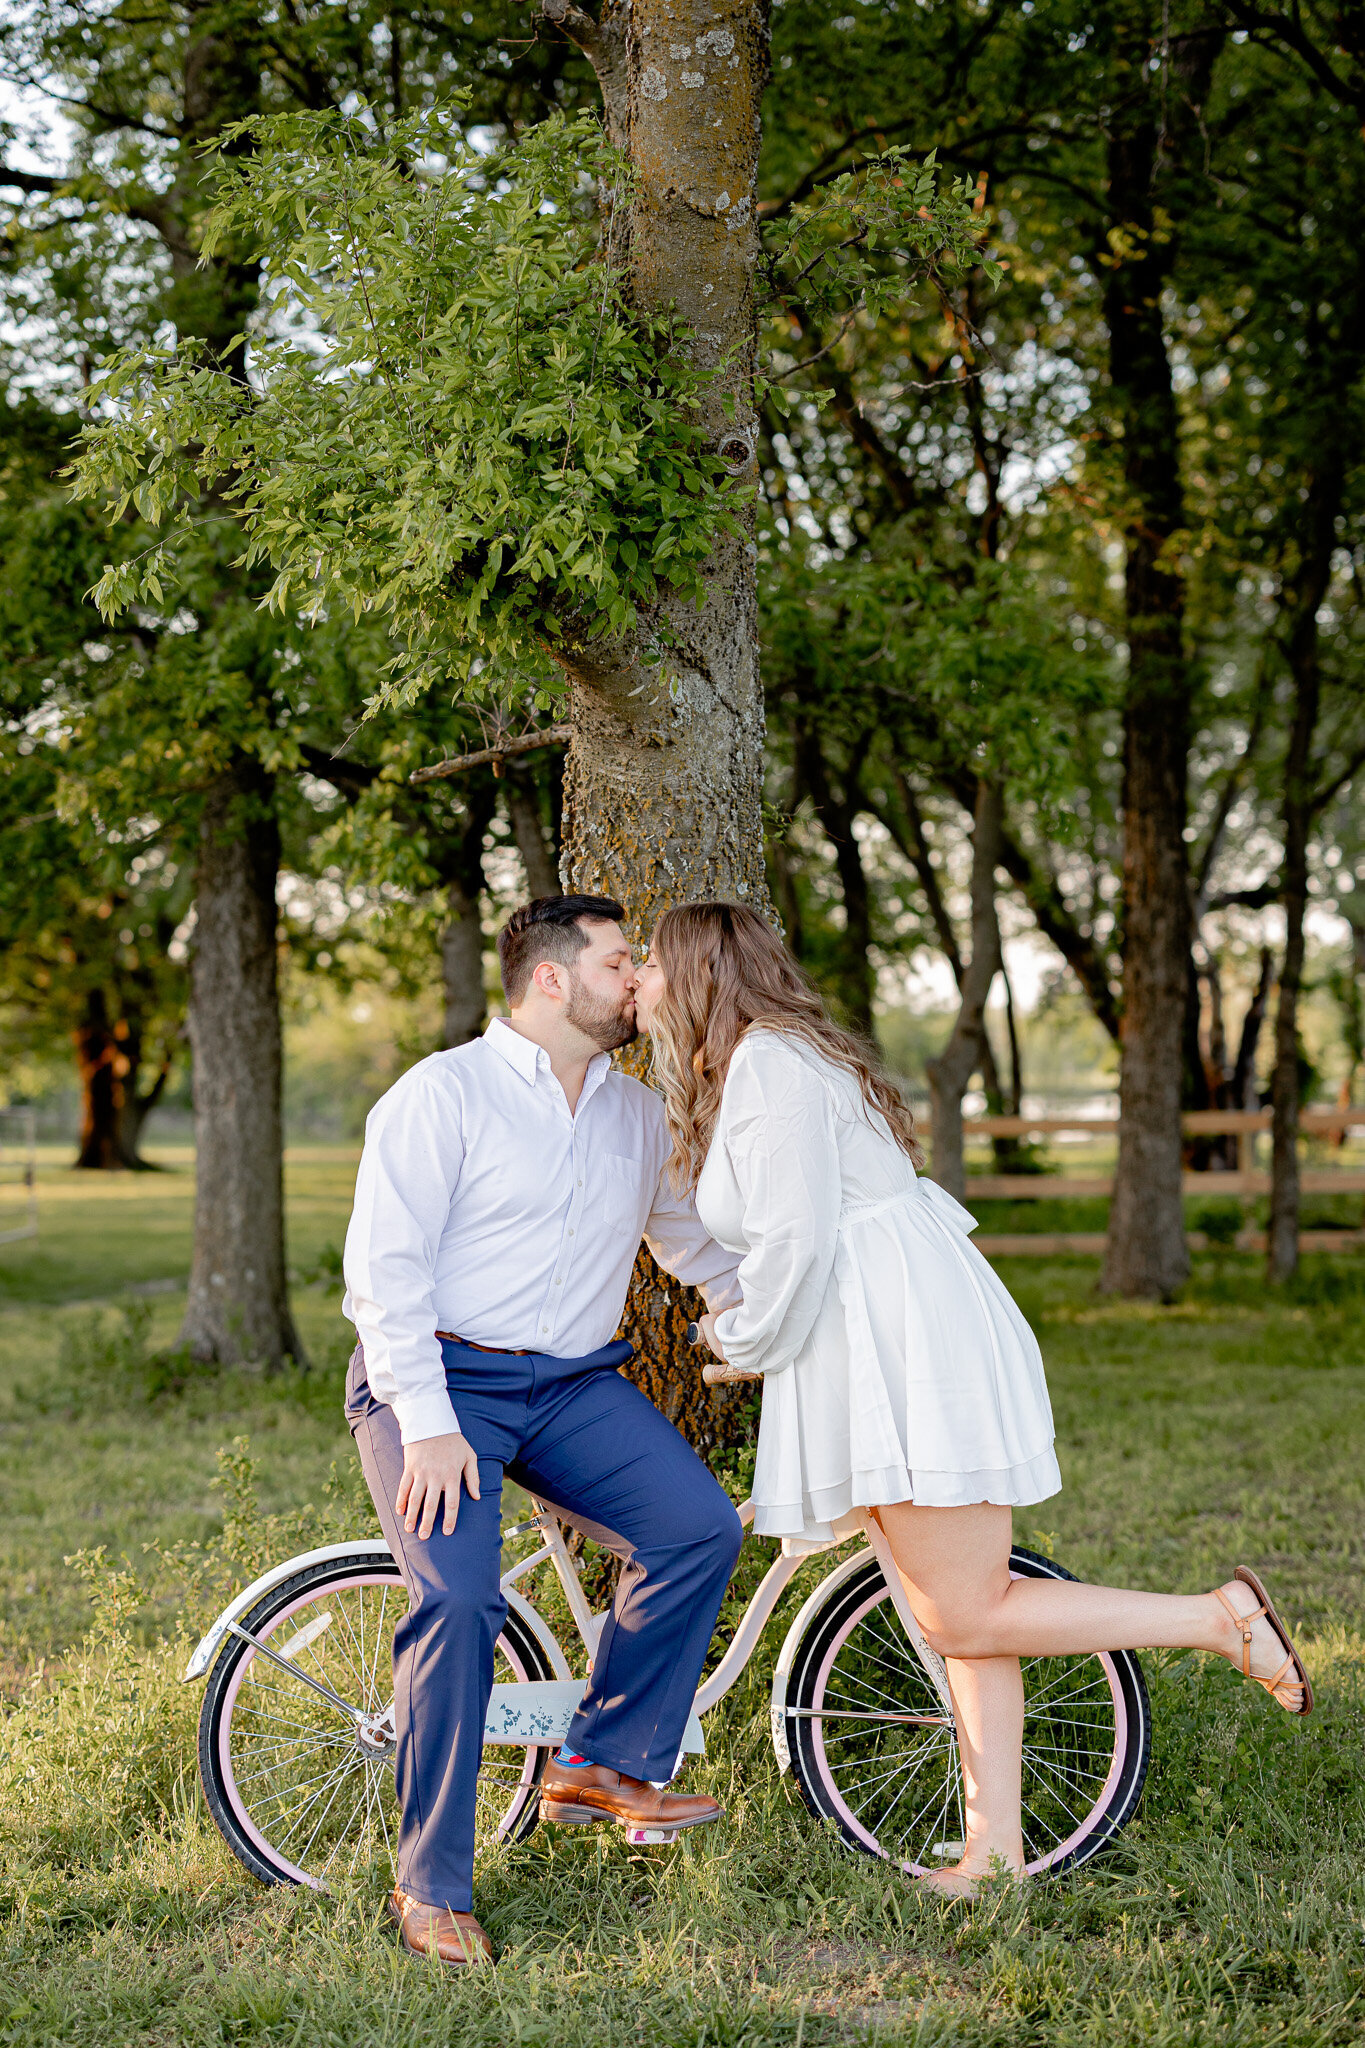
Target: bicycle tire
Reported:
[(227, 1729), (1101, 1762)]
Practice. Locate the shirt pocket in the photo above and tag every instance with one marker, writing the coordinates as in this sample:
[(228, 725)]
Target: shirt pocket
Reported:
[(616, 1197)]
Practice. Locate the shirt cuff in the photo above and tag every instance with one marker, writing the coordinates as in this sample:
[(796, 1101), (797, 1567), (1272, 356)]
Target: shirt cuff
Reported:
[(723, 1293), (725, 1324), (422, 1415)]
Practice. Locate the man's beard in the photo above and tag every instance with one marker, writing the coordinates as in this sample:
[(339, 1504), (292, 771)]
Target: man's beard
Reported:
[(608, 1025)]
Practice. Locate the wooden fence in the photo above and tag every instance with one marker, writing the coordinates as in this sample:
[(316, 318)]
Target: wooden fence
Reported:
[(1246, 1180)]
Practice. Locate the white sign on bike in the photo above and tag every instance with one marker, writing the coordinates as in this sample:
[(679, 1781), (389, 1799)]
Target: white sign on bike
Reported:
[(541, 1710)]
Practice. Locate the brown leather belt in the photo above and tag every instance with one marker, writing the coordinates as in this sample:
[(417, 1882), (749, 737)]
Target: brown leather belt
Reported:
[(498, 1350)]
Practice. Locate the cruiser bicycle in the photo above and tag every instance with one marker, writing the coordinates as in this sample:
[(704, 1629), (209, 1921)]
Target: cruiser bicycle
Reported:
[(296, 1733)]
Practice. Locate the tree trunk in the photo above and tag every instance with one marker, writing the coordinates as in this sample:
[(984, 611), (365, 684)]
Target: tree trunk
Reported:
[(103, 1068), (136, 1110), (950, 1073), (1242, 1088), (460, 866), (238, 1303), (1308, 592), (837, 812), (663, 780), (466, 1005), (913, 841), (109, 1060), (537, 854), (1147, 1254)]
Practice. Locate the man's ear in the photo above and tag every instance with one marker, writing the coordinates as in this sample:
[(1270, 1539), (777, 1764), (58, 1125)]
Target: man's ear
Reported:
[(549, 980)]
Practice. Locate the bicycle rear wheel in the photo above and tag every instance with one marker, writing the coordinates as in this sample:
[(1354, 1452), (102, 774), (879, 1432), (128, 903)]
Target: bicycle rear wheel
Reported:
[(874, 1751), (296, 1750)]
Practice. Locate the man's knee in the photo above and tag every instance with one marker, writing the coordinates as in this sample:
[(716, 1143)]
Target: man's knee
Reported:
[(724, 1531), (458, 1606)]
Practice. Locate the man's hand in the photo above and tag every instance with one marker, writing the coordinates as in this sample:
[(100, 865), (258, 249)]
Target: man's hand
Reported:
[(431, 1468)]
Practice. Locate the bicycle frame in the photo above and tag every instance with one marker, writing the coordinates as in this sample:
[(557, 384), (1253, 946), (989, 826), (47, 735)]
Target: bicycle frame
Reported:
[(756, 1615), (540, 1710)]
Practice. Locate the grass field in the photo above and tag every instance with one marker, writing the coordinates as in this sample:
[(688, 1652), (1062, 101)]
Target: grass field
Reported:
[(1226, 1428)]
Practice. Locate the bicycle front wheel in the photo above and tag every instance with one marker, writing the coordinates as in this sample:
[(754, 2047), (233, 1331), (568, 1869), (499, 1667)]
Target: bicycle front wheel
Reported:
[(874, 1751), (296, 1747)]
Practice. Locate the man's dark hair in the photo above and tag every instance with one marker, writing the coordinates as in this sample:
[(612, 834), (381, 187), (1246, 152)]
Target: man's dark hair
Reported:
[(550, 928)]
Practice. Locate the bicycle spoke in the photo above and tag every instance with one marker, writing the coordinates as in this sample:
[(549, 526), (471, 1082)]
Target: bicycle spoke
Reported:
[(379, 1641), (907, 1832), (296, 1815), (338, 1607), (291, 1791), (904, 1768), (1074, 1818), (318, 1822), (277, 1764)]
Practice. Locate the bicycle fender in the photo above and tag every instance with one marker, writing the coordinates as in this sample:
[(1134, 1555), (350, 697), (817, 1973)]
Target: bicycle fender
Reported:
[(787, 1655), (249, 1595), (377, 1552)]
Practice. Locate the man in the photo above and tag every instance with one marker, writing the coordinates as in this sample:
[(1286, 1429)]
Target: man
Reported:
[(501, 1199)]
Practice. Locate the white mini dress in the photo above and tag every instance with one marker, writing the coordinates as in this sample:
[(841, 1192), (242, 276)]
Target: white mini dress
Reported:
[(896, 1366)]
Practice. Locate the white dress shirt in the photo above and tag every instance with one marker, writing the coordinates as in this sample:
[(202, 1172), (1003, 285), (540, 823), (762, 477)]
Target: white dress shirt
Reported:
[(484, 1207)]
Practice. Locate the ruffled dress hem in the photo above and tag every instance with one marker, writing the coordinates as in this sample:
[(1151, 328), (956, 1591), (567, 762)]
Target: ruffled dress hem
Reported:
[(1019, 1486)]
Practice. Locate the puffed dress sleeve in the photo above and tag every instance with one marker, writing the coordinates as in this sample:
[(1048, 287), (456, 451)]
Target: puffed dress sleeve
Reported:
[(777, 1126)]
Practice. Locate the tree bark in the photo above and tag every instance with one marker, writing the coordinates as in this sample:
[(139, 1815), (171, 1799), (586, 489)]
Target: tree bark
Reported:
[(1299, 804), (459, 861), (109, 1060), (837, 812), (466, 1004), (238, 1301), (1147, 1255), (537, 854), (950, 1073), (1242, 1087), (663, 779), (103, 1068)]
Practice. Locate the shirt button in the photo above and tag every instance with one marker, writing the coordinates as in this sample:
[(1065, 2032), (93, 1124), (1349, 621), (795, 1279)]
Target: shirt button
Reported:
[(580, 1183), (545, 1329), (558, 1281), (571, 1232)]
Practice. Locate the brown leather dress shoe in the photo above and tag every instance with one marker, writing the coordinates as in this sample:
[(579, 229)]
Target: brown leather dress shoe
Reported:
[(587, 1792), (454, 1938)]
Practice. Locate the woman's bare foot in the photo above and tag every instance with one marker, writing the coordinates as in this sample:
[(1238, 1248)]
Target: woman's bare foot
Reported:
[(1267, 1651), (963, 1880)]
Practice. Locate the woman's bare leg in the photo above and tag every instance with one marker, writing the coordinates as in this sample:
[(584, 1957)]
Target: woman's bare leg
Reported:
[(955, 1565), (988, 1706)]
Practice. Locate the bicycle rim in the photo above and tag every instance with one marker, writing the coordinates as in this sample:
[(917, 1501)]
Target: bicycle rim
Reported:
[(875, 1752), (301, 1784)]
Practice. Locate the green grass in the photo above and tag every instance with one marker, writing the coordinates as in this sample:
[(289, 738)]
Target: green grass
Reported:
[(1228, 1427)]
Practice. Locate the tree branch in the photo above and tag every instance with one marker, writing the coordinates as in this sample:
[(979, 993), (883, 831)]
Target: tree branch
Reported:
[(604, 46), (552, 736)]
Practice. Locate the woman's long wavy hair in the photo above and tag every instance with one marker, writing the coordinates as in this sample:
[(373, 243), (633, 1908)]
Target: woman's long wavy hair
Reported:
[(725, 972)]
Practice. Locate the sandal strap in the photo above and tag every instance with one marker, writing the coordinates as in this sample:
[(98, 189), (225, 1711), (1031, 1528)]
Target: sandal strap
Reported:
[(1244, 1622), (1272, 1685)]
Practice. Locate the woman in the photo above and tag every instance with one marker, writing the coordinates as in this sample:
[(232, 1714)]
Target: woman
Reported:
[(898, 1374)]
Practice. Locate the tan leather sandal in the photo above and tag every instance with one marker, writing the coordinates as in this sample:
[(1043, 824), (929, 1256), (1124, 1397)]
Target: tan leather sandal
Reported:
[(1291, 1673)]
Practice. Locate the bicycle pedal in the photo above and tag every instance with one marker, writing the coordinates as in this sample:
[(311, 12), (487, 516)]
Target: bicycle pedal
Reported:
[(569, 1816), (648, 1838)]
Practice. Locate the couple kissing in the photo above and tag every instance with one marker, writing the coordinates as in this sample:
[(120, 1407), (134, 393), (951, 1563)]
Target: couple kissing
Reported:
[(502, 1196)]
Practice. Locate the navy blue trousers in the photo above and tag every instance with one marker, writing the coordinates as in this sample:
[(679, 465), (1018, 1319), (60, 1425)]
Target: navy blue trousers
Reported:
[(571, 1431)]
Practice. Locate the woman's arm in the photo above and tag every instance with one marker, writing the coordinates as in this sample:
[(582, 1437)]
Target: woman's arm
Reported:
[(777, 1125)]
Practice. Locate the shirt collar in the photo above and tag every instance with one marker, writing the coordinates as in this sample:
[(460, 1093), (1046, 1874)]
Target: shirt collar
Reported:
[(530, 1060)]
